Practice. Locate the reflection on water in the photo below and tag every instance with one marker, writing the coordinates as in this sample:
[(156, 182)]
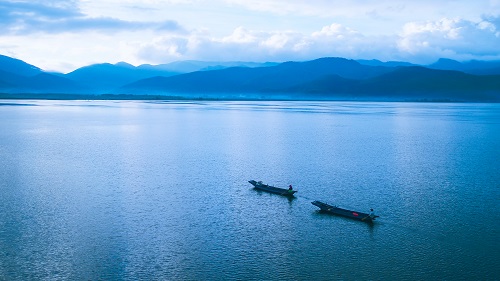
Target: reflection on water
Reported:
[(158, 190)]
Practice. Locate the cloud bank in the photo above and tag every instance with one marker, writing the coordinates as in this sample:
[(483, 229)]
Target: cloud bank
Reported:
[(420, 42), (56, 16), (62, 34)]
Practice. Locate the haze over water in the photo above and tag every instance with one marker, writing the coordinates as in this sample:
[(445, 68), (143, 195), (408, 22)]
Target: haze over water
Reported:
[(127, 190)]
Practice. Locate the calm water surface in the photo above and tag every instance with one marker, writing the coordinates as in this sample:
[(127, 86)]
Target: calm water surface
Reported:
[(119, 190)]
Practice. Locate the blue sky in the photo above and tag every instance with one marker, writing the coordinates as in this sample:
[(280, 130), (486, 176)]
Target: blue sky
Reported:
[(63, 35)]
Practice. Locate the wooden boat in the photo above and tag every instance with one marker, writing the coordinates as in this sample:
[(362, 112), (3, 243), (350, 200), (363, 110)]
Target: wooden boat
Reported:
[(343, 212), (272, 189)]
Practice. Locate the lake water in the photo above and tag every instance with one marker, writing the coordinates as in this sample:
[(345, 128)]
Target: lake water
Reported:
[(133, 190)]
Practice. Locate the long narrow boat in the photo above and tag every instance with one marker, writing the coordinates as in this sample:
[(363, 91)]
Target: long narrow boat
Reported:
[(344, 212), (272, 189)]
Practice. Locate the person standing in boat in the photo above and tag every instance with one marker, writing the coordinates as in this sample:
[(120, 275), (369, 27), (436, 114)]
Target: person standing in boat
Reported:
[(290, 188)]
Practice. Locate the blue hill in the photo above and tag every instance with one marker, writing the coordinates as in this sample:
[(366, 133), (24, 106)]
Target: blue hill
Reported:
[(18, 67), (323, 78), (104, 77)]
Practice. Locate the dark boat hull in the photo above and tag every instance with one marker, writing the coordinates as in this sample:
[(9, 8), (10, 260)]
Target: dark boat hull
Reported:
[(272, 189), (343, 212)]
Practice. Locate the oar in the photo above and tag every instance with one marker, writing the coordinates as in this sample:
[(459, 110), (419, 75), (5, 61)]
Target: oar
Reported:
[(286, 191), (369, 217), (372, 218)]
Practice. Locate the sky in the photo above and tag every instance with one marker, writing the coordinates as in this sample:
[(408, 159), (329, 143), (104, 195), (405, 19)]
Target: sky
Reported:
[(62, 35)]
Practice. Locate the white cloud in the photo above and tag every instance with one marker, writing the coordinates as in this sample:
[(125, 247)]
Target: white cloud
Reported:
[(164, 49), (381, 9), (243, 44), (56, 16), (420, 42), (456, 38), (240, 35), (276, 41), (335, 30)]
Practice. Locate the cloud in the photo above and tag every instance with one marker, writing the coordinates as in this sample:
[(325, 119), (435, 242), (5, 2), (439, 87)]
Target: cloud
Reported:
[(45, 9), (243, 44), (419, 42), (163, 49), (372, 8), (334, 29), (56, 16), (458, 38)]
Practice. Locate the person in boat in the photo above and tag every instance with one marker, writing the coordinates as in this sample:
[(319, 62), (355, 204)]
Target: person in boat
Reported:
[(372, 214), (290, 188)]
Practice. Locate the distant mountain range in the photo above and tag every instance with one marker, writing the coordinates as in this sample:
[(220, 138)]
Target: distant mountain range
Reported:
[(323, 78)]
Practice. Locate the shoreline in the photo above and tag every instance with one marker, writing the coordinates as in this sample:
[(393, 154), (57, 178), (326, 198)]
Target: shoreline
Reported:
[(128, 97)]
